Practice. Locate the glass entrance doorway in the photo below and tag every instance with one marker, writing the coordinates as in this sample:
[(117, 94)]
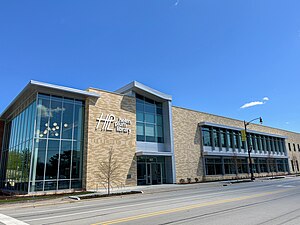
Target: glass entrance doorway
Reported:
[(153, 170), (154, 173)]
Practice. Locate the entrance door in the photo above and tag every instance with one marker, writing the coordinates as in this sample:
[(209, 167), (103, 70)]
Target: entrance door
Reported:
[(156, 170), (148, 173)]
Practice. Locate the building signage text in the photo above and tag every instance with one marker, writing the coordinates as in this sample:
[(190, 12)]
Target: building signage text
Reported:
[(110, 123)]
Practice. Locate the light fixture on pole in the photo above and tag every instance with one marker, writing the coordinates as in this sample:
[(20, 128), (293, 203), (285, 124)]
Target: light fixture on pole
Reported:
[(249, 149)]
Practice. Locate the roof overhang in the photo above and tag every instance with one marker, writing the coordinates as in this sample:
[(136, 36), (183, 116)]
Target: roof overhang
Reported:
[(239, 129), (145, 153), (144, 90), (34, 87)]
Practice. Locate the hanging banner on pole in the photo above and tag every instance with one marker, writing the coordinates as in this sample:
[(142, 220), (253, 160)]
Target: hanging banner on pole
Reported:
[(243, 132)]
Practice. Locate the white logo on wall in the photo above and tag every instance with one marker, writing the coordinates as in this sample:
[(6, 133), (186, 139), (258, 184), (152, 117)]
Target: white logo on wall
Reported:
[(110, 123)]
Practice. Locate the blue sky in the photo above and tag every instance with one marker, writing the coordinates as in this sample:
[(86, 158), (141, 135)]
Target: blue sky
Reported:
[(212, 56)]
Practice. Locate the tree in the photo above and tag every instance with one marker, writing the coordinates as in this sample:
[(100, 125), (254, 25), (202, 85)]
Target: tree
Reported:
[(294, 162), (271, 163), (108, 170)]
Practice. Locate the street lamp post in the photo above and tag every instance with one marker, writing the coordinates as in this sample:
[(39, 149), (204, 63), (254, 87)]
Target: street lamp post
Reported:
[(250, 147)]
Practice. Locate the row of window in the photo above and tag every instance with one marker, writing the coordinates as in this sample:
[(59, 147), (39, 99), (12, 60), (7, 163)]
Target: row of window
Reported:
[(295, 166), (149, 119), (239, 165), (219, 138), (294, 147)]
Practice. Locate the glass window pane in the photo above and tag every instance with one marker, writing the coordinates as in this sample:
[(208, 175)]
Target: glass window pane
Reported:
[(55, 119), (52, 159), (42, 118), (149, 131), (79, 102), (206, 136), (159, 131), (149, 118), (216, 135), (67, 123), (140, 129), (223, 138), (76, 184), (77, 160), (63, 184), (159, 111), (39, 158), (65, 160), (24, 125), (50, 185), (229, 139), (150, 108), (139, 107), (140, 116), (78, 122), (159, 120), (21, 127)]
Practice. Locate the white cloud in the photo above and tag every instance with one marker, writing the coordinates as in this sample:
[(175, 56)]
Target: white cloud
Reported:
[(251, 104), (176, 3), (254, 103), (266, 99)]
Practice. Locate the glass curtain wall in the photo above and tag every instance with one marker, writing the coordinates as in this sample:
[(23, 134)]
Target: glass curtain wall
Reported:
[(16, 154), (149, 119), (226, 138), (58, 144)]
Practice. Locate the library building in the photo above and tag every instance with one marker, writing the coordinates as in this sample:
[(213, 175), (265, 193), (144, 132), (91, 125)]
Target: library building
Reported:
[(56, 138)]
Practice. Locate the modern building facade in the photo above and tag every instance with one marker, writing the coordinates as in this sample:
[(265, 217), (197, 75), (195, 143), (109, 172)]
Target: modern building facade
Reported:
[(54, 138)]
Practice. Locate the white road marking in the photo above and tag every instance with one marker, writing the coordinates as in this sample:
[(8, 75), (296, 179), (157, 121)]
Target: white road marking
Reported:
[(149, 201), (202, 196), (207, 196), (10, 221), (286, 186)]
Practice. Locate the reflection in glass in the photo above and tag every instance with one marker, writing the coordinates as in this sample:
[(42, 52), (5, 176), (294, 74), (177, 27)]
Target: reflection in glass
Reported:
[(16, 153), (52, 159), (65, 160), (149, 120), (77, 160), (38, 151), (67, 123)]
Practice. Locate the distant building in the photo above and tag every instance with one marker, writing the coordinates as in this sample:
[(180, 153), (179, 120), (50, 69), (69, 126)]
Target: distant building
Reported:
[(53, 138)]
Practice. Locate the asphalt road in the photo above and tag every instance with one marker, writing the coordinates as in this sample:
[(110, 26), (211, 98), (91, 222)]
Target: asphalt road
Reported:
[(267, 202)]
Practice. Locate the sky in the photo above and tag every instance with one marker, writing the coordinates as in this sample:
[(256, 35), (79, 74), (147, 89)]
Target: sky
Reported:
[(234, 58)]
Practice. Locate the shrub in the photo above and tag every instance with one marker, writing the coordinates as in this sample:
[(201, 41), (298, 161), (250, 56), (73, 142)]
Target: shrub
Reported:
[(182, 181)]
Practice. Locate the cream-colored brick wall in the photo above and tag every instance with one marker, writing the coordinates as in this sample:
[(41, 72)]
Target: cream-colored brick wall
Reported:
[(187, 142), (98, 143)]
